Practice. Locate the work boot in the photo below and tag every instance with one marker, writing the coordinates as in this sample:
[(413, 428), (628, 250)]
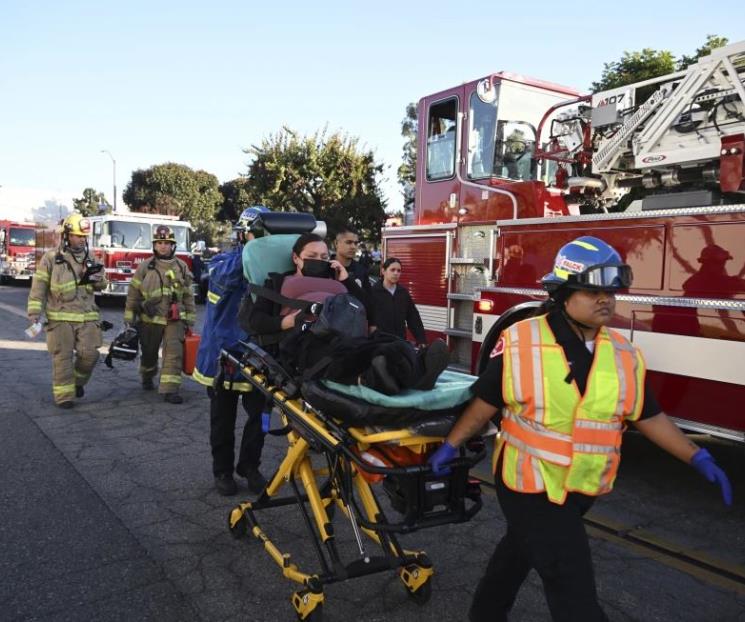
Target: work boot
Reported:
[(173, 398), (225, 484), (436, 359), (79, 391), (255, 480), (66, 405), (147, 384)]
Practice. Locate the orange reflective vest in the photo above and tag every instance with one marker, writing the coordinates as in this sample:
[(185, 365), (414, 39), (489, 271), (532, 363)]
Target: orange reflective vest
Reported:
[(553, 439)]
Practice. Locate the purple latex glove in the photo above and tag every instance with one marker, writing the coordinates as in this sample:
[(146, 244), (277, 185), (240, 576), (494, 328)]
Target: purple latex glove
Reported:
[(439, 460), (704, 463)]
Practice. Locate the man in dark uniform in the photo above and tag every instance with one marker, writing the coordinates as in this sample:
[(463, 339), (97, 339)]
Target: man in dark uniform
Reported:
[(346, 243)]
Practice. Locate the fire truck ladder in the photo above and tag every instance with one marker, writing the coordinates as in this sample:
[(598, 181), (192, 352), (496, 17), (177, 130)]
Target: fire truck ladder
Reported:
[(667, 103), (685, 94)]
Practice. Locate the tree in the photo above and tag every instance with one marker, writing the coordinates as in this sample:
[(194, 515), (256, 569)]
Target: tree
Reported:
[(407, 170), (331, 177), (635, 67), (175, 190), (712, 42), (648, 63), (88, 204), (237, 196)]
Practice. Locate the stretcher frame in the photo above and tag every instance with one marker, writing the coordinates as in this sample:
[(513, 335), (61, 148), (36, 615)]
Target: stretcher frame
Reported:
[(424, 499)]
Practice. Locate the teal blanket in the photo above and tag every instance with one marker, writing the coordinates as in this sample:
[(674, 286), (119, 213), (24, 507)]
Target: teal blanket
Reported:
[(452, 388)]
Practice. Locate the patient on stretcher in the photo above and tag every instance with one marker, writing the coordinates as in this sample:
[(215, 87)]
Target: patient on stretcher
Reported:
[(379, 361)]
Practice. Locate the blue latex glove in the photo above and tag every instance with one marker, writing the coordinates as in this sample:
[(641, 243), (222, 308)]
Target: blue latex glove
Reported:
[(439, 460), (703, 462)]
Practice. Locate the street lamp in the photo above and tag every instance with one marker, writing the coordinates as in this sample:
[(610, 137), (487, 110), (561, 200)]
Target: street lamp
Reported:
[(113, 162)]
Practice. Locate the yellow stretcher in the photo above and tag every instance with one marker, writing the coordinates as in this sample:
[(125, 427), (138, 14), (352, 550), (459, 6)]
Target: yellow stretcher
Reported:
[(350, 457)]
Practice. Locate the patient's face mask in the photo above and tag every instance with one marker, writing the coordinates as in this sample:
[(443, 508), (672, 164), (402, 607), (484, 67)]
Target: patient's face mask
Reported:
[(318, 268)]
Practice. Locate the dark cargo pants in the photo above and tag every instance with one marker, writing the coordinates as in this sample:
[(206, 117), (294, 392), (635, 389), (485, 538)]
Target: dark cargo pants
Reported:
[(550, 538), (223, 414)]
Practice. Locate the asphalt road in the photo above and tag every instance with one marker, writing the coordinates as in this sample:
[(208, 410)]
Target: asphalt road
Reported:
[(108, 512)]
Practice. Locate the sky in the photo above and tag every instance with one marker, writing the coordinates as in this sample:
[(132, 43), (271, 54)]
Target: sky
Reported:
[(198, 82)]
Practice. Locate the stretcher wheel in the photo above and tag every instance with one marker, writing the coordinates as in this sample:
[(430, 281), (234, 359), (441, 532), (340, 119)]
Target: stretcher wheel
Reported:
[(423, 594), (308, 605), (237, 523), (418, 582), (314, 616)]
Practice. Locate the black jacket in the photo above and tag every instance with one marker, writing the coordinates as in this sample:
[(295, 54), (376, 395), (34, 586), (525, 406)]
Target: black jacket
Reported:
[(264, 317), (393, 313)]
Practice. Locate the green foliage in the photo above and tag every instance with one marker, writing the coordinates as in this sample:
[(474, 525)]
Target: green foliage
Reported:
[(176, 190), (635, 67), (236, 197), (648, 63), (407, 170), (329, 176), (712, 42), (88, 204)]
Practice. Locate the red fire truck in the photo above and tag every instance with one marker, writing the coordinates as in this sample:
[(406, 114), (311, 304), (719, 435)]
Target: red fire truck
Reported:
[(510, 168), (120, 241), (17, 241)]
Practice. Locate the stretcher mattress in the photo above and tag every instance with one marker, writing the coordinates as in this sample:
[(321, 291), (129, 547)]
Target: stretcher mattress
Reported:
[(356, 405)]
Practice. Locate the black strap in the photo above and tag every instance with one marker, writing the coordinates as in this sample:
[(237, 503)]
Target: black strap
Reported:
[(274, 296), (311, 372)]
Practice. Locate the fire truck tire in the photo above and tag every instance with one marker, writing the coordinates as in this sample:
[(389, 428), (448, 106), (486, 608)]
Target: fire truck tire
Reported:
[(508, 318)]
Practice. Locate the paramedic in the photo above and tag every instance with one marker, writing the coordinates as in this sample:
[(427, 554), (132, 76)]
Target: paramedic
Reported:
[(226, 289), (565, 386), (394, 309)]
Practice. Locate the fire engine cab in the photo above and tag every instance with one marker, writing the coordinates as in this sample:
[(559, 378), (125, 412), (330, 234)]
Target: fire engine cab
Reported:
[(120, 241), (17, 241), (510, 168)]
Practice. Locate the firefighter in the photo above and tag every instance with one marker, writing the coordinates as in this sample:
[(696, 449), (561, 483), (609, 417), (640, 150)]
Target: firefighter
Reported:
[(63, 288), (221, 330), (565, 386), (160, 302)]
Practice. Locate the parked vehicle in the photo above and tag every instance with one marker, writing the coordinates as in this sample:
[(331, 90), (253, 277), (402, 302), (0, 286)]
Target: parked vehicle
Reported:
[(510, 168), (17, 241)]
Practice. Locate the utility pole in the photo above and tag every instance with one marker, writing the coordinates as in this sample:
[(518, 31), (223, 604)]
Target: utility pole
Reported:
[(113, 162)]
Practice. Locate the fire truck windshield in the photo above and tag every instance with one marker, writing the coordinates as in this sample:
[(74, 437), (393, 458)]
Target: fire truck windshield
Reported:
[(22, 237), (131, 235), (138, 235), (182, 237)]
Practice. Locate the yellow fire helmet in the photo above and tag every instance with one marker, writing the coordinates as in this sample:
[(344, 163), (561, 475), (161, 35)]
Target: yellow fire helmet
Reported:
[(75, 224), (163, 233)]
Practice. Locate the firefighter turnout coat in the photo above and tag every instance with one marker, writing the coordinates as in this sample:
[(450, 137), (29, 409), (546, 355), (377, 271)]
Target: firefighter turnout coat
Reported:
[(161, 301), (72, 318)]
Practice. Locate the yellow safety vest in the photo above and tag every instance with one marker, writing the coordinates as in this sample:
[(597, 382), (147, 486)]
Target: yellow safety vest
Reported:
[(553, 439)]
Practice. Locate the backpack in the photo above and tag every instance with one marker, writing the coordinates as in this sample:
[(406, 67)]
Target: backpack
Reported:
[(342, 315)]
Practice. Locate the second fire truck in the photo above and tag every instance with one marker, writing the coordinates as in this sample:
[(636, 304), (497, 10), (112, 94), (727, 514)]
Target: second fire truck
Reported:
[(510, 168)]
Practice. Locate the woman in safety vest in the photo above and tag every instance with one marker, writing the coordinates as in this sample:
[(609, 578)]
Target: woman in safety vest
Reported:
[(565, 386)]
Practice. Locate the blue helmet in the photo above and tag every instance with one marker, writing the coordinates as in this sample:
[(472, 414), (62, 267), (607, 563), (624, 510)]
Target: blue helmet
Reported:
[(588, 263), (248, 217)]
